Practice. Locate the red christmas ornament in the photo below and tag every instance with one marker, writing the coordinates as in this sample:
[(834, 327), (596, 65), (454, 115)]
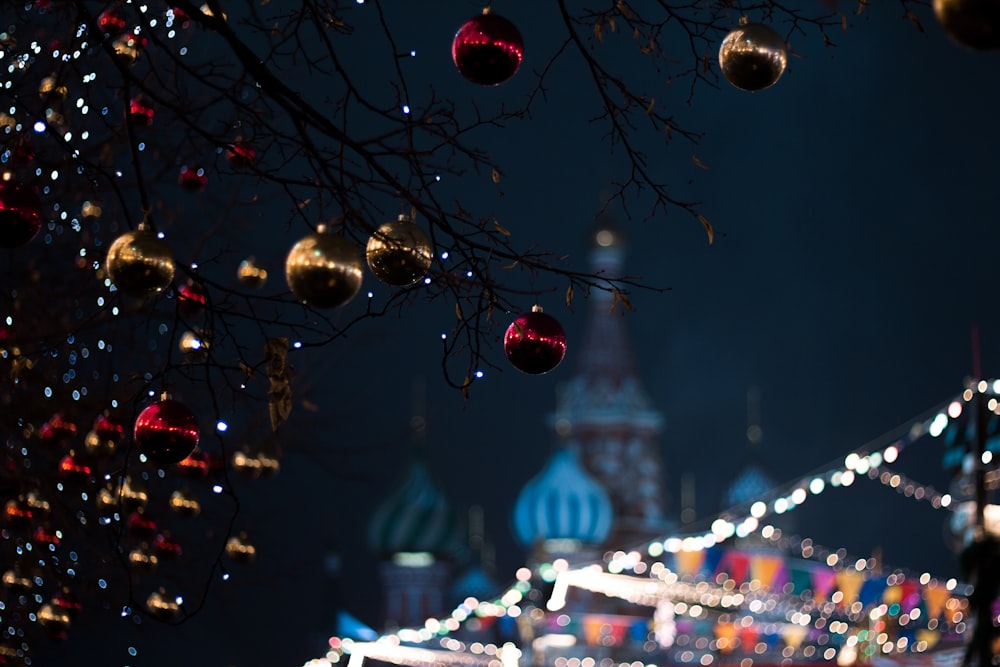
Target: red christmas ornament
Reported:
[(198, 464), (74, 470), (535, 342), (140, 112), (166, 546), (487, 49), (20, 214), (57, 429), (191, 299), (241, 154), (45, 535), (67, 600), (141, 525), (166, 431), (107, 429), (112, 21), (192, 179), (17, 513)]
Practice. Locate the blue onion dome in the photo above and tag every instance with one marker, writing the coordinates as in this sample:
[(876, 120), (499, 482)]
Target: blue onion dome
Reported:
[(476, 583), (750, 485), (562, 502), (417, 518)]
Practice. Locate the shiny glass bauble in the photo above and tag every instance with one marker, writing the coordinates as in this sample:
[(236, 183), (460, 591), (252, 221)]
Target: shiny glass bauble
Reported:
[(140, 264), (324, 270), (166, 431), (535, 342), (753, 57), (399, 252), (487, 49)]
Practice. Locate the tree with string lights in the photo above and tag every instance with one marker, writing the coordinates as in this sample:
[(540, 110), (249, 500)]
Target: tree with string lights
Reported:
[(191, 198)]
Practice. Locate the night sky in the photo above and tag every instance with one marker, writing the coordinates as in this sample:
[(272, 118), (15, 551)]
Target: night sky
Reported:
[(856, 248)]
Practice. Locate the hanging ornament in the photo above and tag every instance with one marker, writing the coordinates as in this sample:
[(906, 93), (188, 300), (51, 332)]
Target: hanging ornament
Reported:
[(166, 546), (142, 559), (194, 346), (54, 620), (51, 90), (17, 580), (239, 548), (139, 263), (240, 154), (253, 466), (487, 49), (72, 469), (112, 21), (323, 269), (58, 429), (250, 274), (198, 464), (20, 214), (97, 447), (140, 112), (108, 429), (67, 600), (129, 47), (184, 504), (399, 252), (535, 342), (45, 535), (753, 56), (191, 299), (166, 431), (17, 513), (162, 606), (192, 179), (972, 23)]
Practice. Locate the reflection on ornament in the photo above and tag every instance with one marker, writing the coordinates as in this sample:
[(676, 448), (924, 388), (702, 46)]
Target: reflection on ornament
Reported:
[(162, 606), (17, 513), (20, 214), (140, 112), (140, 264), (192, 179), (91, 210), (112, 21), (240, 154), (166, 431), (184, 504), (54, 620), (399, 252), (323, 270), (67, 601), (487, 49), (239, 548), (45, 535), (250, 274), (535, 342), (973, 23), (14, 579), (38, 505), (753, 57)]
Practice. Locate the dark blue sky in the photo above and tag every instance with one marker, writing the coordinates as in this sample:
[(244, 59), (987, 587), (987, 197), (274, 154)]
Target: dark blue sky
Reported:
[(856, 245)]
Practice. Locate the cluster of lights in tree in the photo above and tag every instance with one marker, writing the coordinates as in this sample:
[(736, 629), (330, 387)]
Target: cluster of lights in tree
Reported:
[(693, 598)]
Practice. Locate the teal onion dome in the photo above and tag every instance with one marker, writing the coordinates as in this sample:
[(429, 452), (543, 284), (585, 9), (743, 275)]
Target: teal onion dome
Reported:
[(417, 518), (562, 502)]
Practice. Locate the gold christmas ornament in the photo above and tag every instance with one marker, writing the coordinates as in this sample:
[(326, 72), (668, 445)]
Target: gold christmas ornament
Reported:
[(194, 346), (141, 558), (97, 447), (184, 504), (162, 606), (54, 620), (972, 23), (255, 465), (139, 263), (399, 252), (239, 548), (324, 270), (250, 274), (753, 57)]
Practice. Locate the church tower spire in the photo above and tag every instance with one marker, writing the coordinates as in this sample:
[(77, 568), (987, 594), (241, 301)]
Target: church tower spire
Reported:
[(603, 413)]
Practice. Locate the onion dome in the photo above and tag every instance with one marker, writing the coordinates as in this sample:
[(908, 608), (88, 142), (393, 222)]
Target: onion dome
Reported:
[(750, 485), (562, 502), (417, 518)]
